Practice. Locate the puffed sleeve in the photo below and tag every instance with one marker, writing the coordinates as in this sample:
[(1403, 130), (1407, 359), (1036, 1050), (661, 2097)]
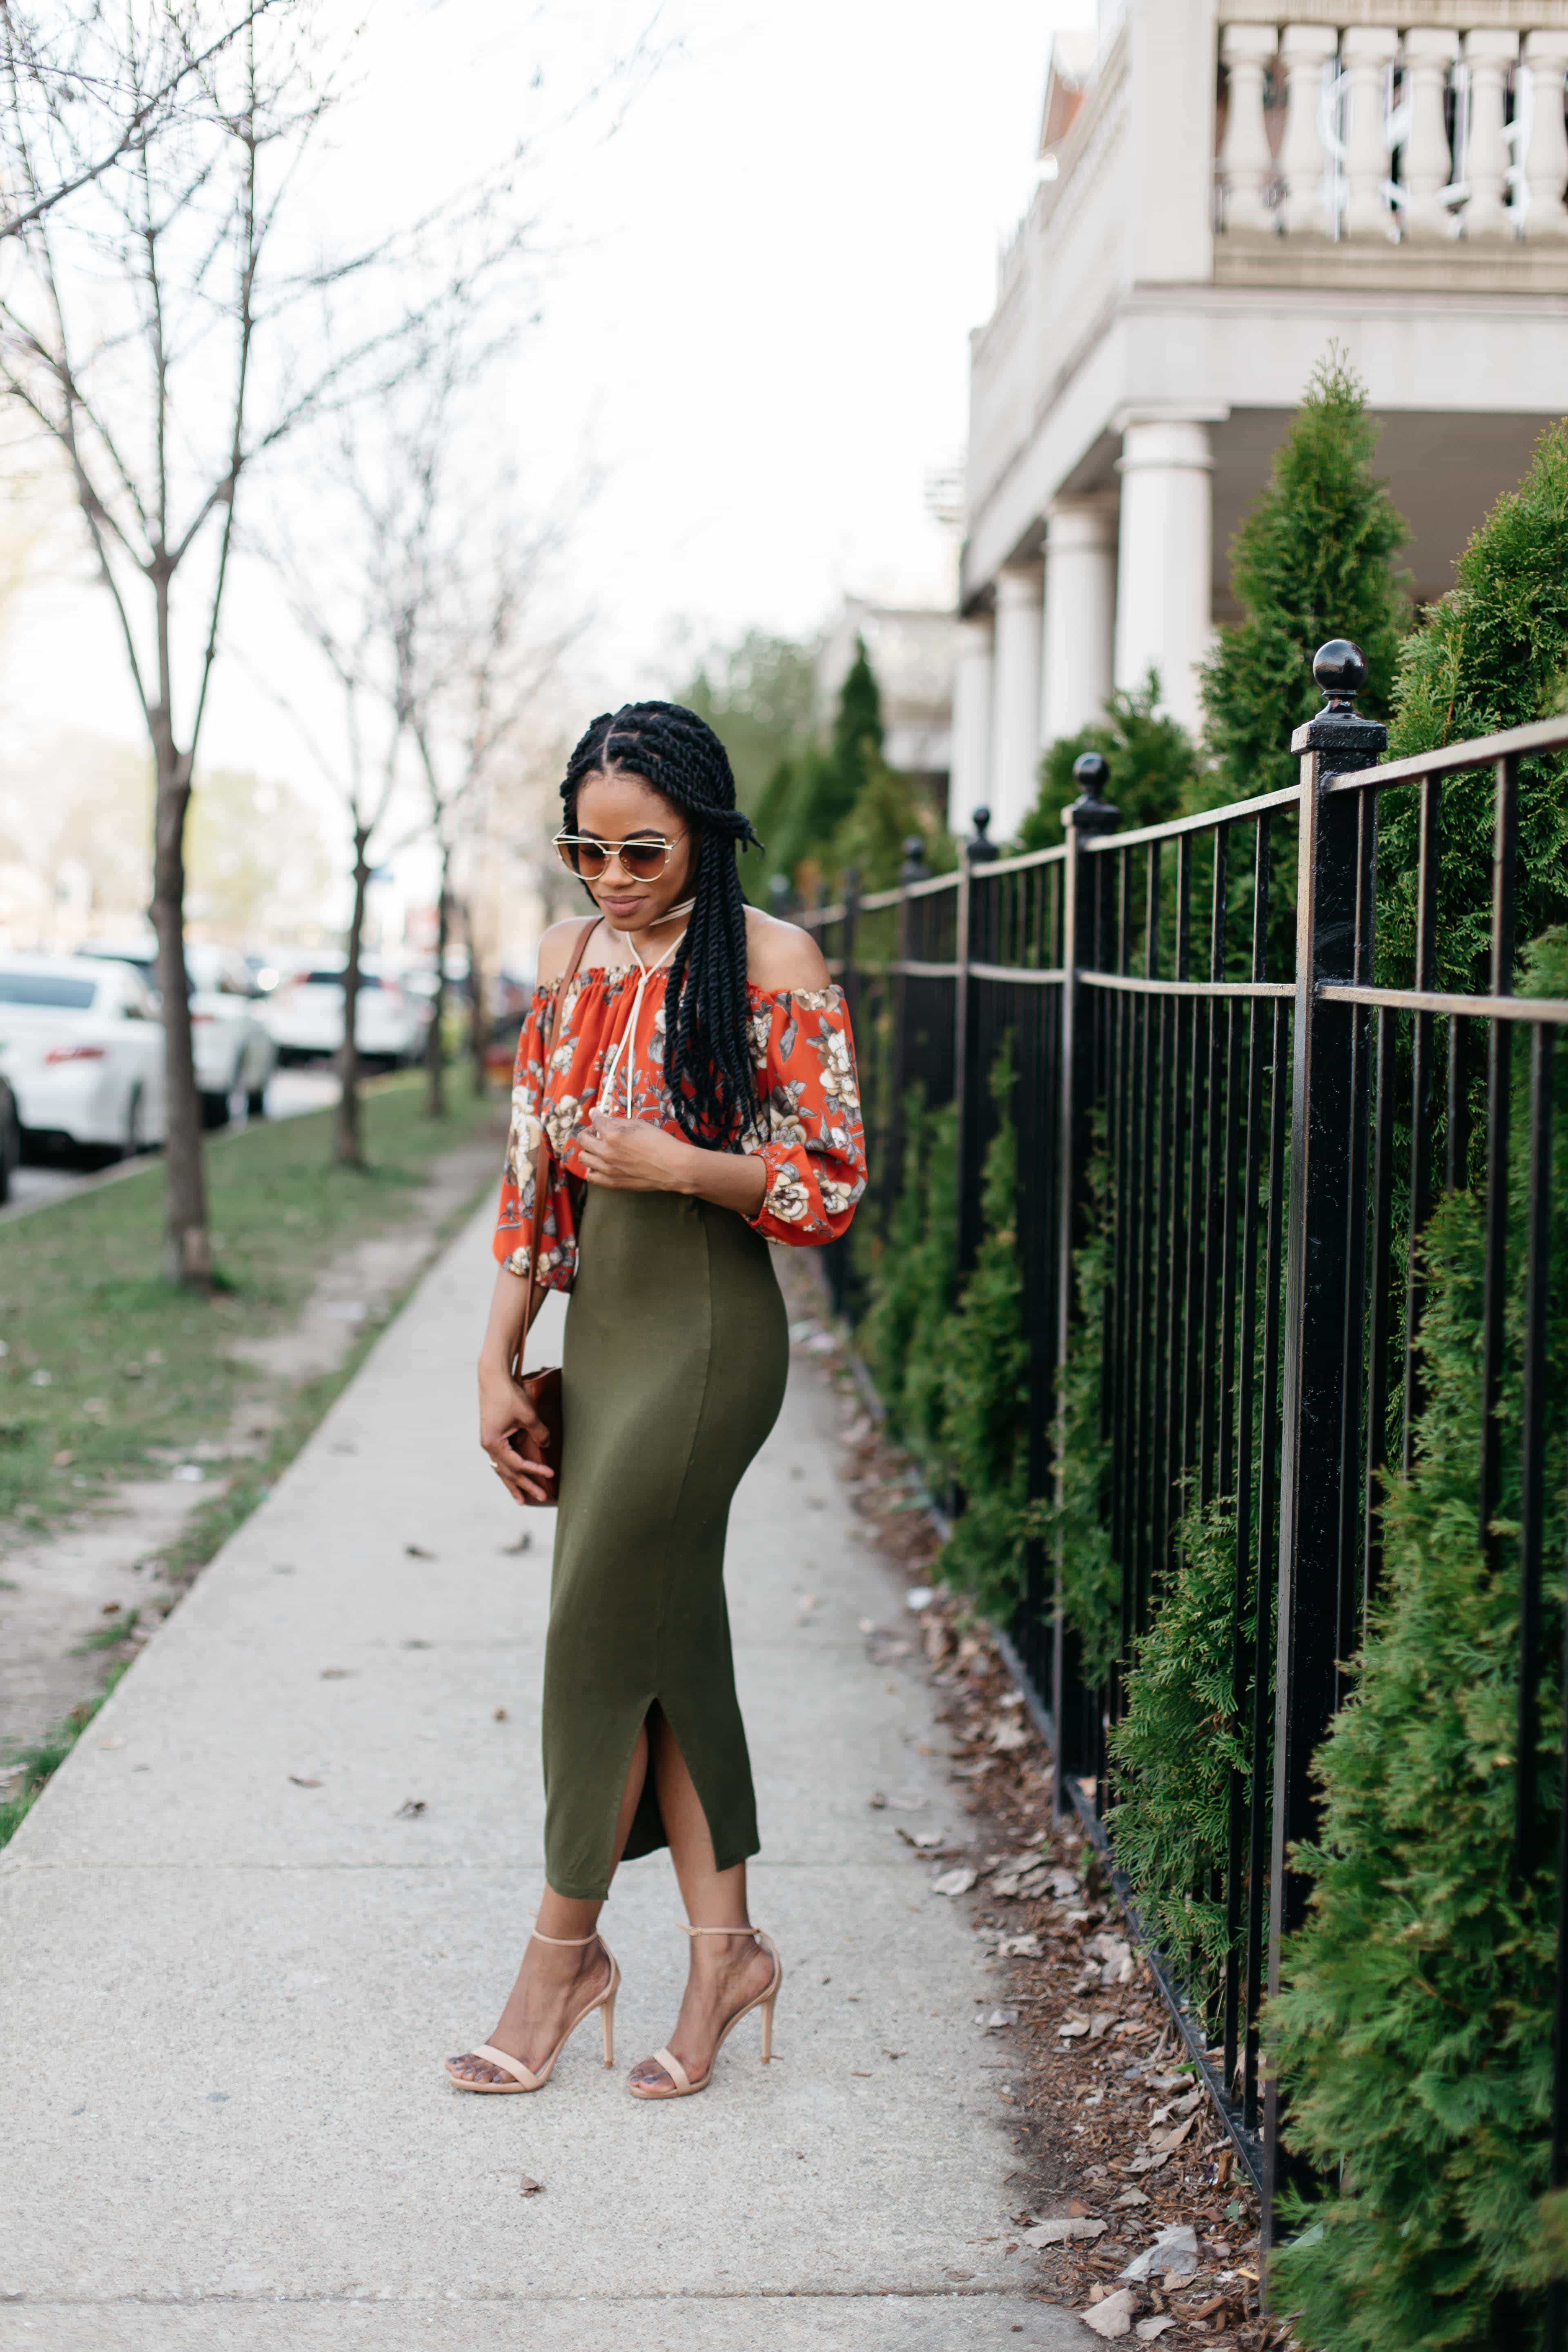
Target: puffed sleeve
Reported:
[(815, 1151), (514, 1219)]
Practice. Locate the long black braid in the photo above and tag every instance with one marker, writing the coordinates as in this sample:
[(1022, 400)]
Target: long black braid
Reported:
[(707, 1061)]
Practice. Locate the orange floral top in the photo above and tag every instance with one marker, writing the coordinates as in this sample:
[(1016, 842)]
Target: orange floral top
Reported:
[(805, 1059)]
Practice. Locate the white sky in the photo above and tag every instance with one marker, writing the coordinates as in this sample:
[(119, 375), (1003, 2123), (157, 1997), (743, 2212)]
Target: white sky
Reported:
[(756, 327)]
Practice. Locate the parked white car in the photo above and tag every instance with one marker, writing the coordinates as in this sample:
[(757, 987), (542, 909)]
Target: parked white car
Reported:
[(82, 1049), (230, 1043), (305, 1014)]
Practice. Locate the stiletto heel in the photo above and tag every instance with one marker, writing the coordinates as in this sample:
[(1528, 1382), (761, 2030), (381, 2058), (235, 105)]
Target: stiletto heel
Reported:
[(681, 2086), (523, 2078)]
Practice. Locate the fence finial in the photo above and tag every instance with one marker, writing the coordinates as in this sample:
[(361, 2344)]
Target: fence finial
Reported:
[(1340, 671), (1091, 811), (979, 848), (913, 868), (780, 893)]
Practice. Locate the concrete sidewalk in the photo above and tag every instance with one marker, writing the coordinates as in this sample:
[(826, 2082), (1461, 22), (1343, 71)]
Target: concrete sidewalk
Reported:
[(290, 1866)]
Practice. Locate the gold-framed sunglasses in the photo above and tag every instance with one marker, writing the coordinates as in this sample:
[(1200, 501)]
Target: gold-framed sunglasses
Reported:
[(589, 859)]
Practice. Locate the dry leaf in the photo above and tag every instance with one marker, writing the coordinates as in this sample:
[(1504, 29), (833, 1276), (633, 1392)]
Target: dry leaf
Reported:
[(1063, 2232), (418, 1551), (1132, 2197), (500, 1716), (1100, 2024), (410, 1809), (1073, 2029), (1147, 2330), (1020, 1947), (1008, 1737), (999, 2017), (954, 1882), (876, 1802), (300, 1782), (1112, 2318), (1166, 2143), (530, 2187), (1175, 2254)]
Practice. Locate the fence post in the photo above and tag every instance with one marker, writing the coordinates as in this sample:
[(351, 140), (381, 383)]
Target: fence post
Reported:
[(913, 869), (979, 850), (1090, 816), (1317, 1270)]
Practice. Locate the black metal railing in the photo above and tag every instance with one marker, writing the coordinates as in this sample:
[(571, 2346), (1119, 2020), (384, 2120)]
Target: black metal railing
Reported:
[(1236, 1087)]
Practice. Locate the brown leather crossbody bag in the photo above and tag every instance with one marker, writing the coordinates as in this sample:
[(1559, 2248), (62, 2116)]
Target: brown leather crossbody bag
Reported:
[(542, 1388)]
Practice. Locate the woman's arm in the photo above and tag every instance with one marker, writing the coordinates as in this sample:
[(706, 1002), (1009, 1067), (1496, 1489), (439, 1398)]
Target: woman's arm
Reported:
[(503, 1406)]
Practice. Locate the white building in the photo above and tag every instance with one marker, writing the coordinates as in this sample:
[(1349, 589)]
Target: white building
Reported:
[(1228, 188)]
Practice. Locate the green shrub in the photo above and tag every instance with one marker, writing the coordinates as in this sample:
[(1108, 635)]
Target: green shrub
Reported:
[(1152, 759), (1078, 1521), (1493, 653), (1313, 560), (1414, 2028), (909, 1283), (1177, 1746), (986, 1386)]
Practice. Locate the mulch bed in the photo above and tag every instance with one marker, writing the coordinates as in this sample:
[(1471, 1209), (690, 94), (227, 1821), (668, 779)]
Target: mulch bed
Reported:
[(1112, 2131)]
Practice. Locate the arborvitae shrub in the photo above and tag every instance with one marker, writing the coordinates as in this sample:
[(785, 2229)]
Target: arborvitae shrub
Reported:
[(890, 810), (1077, 1521), (1313, 560), (1152, 759), (1176, 1748), (1414, 2029), (985, 1377), (1493, 653), (896, 1270)]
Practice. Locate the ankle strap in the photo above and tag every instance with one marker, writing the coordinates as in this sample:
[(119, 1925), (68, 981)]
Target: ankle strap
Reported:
[(716, 1931), (541, 1937)]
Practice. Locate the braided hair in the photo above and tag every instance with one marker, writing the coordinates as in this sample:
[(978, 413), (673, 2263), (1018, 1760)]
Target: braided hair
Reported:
[(708, 1060)]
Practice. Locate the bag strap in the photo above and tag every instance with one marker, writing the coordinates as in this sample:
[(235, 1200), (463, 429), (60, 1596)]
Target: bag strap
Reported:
[(542, 1165)]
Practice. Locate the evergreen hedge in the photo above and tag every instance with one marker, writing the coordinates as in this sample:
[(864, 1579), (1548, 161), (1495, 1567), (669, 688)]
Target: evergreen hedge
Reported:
[(1414, 2028), (1313, 560), (1154, 764), (1078, 1521)]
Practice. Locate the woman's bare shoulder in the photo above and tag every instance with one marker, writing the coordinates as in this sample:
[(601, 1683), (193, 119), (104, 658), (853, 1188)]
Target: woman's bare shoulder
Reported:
[(780, 955), (555, 948)]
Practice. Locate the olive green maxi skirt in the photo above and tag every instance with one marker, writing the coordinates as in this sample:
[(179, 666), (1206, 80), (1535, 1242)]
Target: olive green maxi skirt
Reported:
[(673, 1374)]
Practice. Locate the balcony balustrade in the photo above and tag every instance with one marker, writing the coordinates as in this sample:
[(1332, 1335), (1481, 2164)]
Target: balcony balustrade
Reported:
[(1368, 137)]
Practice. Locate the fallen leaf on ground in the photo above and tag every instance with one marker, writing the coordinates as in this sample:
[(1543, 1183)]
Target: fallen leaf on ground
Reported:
[(1063, 2232), (1000, 2018), (954, 1882), (500, 1716), (1006, 1736), (1132, 2197), (1147, 2330), (1077, 2210), (1073, 2029), (418, 1551), (1147, 2163), (530, 2187), (1112, 2318), (1100, 2024), (1175, 2250), (1020, 1947), (923, 1839), (410, 1809), (300, 1782), (1166, 2143)]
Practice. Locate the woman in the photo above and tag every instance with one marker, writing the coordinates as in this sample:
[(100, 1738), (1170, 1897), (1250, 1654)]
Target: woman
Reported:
[(699, 1101)]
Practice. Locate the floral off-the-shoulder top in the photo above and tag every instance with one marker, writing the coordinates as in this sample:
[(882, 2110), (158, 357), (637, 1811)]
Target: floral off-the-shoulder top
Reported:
[(805, 1059)]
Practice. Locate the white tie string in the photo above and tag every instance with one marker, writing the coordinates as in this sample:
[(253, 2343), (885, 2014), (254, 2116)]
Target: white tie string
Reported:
[(629, 1035)]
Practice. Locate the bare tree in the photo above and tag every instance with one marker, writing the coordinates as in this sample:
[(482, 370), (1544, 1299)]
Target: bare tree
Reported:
[(147, 330), (60, 55)]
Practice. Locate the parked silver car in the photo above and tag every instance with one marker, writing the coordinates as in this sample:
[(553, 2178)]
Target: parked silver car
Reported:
[(231, 1044)]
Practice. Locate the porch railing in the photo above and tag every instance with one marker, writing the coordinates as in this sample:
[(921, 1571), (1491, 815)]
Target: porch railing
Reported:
[(1196, 1018)]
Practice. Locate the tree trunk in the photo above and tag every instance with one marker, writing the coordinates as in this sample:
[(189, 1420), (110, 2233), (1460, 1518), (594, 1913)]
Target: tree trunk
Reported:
[(188, 1249), (479, 1026), (435, 1044), (348, 1142)]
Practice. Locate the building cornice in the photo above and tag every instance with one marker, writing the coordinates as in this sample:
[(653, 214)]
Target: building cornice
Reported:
[(1403, 15)]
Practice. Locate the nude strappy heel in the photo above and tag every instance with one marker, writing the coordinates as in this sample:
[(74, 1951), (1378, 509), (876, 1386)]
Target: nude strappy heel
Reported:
[(523, 2077), (681, 2086)]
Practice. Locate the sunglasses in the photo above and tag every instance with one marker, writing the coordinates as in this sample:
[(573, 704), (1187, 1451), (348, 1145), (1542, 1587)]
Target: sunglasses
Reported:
[(590, 859)]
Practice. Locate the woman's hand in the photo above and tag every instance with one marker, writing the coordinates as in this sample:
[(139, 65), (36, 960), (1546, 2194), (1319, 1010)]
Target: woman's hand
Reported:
[(504, 1407), (632, 1155)]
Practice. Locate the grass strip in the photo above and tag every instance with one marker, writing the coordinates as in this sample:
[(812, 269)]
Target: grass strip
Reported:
[(109, 1369)]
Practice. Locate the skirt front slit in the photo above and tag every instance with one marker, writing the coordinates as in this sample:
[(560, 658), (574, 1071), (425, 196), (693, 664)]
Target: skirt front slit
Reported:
[(673, 1374)]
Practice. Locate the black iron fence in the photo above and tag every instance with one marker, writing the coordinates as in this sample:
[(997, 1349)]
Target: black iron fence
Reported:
[(1254, 1094)]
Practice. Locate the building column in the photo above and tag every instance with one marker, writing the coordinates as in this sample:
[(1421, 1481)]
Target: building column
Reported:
[(1016, 702), (969, 784), (1164, 563), (1080, 614)]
